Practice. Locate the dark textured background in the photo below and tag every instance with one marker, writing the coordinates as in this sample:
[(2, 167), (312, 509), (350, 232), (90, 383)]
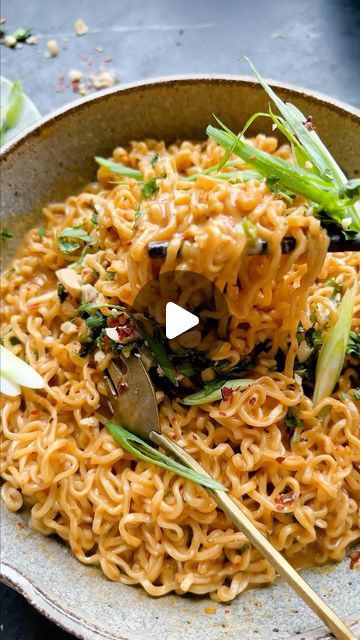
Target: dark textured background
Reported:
[(311, 43)]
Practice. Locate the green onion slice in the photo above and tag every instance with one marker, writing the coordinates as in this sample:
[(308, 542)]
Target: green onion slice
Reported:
[(116, 167), (212, 391), (144, 451), (333, 350)]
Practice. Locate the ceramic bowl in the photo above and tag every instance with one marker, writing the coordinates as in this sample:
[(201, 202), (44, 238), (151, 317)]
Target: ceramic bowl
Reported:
[(51, 160)]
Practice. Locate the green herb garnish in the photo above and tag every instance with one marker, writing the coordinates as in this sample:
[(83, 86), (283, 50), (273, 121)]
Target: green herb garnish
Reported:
[(212, 391), (250, 230), (155, 345), (41, 232), (10, 112), (95, 213), (110, 275), (158, 349), (21, 34), (325, 185), (154, 159), (4, 235), (149, 188), (116, 167), (333, 350), (138, 213), (353, 346), (67, 245), (144, 451), (292, 420), (356, 393)]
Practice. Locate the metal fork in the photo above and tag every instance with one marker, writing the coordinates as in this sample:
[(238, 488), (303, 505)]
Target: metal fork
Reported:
[(133, 404)]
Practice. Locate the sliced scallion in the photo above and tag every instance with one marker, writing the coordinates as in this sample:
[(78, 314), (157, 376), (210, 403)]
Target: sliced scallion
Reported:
[(116, 167), (332, 354), (144, 451), (213, 391)]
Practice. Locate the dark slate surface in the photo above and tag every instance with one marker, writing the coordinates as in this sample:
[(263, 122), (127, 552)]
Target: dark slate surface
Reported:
[(311, 43)]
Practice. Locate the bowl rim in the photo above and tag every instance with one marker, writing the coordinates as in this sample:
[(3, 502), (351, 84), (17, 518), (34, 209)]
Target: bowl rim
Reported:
[(10, 574), (69, 107)]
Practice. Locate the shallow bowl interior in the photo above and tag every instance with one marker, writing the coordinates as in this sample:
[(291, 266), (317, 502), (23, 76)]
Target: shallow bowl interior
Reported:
[(52, 160)]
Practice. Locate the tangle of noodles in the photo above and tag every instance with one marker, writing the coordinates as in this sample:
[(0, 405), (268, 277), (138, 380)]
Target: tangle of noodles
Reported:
[(140, 523)]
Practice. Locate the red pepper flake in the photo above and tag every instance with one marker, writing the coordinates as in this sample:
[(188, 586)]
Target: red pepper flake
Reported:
[(20, 525), (222, 413), (84, 58), (92, 364), (34, 412), (227, 393), (286, 498), (280, 507), (308, 124), (174, 436), (280, 459), (105, 341), (113, 321), (252, 401), (61, 85), (124, 332), (122, 387), (107, 59), (354, 559)]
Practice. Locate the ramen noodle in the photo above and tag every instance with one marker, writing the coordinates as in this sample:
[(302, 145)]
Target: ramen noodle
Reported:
[(293, 466)]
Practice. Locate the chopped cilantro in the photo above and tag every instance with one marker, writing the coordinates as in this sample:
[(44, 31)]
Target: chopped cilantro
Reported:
[(4, 235), (149, 188), (138, 213), (41, 231), (95, 213), (67, 245), (21, 34), (356, 393), (110, 275), (292, 419), (154, 159), (353, 347)]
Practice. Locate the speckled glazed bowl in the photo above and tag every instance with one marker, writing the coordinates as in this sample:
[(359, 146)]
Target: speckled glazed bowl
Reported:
[(51, 160)]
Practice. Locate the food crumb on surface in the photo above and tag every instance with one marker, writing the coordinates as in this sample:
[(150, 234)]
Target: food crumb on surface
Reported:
[(81, 27), (210, 610), (32, 40), (53, 48), (10, 41)]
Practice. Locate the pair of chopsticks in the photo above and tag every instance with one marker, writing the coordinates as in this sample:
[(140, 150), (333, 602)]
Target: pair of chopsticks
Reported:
[(337, 244)]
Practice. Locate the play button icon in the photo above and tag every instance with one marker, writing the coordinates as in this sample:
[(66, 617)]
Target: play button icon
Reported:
[(178, 320)]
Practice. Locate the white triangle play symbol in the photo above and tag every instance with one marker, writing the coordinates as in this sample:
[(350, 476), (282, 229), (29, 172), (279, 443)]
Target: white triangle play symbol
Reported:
[(178, 320)]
